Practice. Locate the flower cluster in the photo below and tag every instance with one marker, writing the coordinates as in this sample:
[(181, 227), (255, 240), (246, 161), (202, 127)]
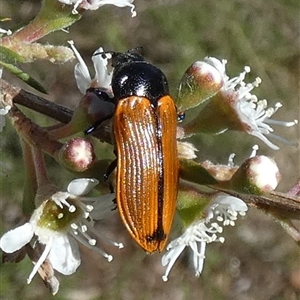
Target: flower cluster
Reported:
[(253, 114), (233, 106), (58, 222), (222, 211)]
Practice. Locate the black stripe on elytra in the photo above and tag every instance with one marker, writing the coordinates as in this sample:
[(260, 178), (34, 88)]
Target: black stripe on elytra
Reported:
[(159, 233)]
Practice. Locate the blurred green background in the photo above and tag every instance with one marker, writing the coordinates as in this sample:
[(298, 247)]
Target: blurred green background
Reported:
[(258, 260)]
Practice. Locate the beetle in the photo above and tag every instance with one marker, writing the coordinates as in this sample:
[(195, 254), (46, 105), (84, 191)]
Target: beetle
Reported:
[(144, 127)]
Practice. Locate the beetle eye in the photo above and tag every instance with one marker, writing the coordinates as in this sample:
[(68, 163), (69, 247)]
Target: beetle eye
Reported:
[(102, 95), (180, 116)]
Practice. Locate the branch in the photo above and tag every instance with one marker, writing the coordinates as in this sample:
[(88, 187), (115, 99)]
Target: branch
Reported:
[(36, 103), (14, 95), (278, 204)]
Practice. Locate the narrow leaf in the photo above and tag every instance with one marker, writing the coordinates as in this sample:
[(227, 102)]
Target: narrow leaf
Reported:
[(9, 56), (23, 76)]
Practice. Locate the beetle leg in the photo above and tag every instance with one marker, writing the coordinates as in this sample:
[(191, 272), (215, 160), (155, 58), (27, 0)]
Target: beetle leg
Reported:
[(110, 186), (110, 169), (96, 125), (116, 206), (92, 128)]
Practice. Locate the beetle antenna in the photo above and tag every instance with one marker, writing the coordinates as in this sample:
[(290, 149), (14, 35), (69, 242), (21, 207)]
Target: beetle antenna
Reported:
[(139, 49), (104, 54)]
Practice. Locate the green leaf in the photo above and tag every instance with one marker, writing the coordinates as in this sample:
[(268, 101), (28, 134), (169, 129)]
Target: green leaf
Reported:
[(9, 56), (23, 76), (194, 172), (55, 16)]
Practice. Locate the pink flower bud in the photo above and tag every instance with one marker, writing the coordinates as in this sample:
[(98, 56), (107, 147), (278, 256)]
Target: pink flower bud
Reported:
[(257, 175), (200, 82), (77, 154)]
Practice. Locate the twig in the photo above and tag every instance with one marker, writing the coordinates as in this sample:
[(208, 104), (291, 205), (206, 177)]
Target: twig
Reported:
[(36, 103), (48, 108), (275, 203)]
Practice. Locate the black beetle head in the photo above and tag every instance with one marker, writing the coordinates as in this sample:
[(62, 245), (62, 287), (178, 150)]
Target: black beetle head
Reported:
[(119, 59)]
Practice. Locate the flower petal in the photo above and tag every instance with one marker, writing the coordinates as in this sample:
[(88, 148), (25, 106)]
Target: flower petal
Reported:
[(103, 206), (231, 202), (81, 186), (101, 72), (40, 260), (95, 4), (81, 71), (170, 257), (15, 239), (64, 254), (198, 255)]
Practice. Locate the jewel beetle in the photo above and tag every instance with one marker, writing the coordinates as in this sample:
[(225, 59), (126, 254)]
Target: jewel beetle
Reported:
[(144, 127)]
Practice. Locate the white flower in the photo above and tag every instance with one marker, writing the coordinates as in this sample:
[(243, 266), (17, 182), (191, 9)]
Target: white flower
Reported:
[(95, 4), (224, 209), (102, 76), (58, 222), (253, 114), (3, 112)]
